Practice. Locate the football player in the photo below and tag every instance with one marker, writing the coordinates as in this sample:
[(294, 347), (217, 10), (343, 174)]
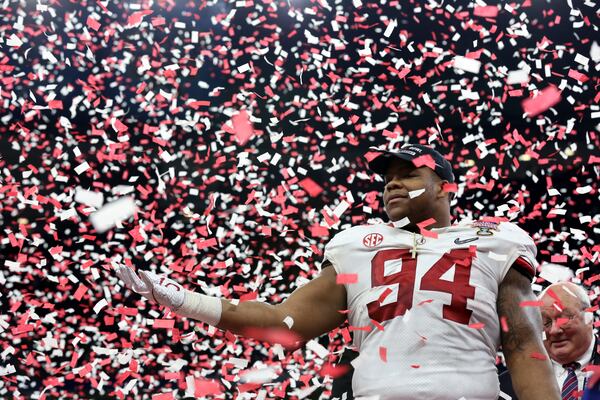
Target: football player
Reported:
[(431, 301)]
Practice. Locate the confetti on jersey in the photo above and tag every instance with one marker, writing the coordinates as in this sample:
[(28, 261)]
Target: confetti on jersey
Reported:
[(223, 142)]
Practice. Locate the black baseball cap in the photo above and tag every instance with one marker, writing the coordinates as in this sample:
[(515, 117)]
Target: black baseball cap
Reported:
[(409, 152)]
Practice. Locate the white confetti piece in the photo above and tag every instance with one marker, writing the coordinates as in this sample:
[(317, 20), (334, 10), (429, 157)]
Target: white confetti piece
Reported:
[(89, 198), (401, 223), (289, 321), (112, 214), (190, 383), (555, 273), (310, 38), (121, 190), (505, 396), (100, 305), (390, 28), (553, 192), (66, 214), (584, 189), (258, 375), (9, 369), (244, 68), (581, 59), (557, 211), (467, 64), (317, 348), (517, 77), (81, 168), (415, 193), (238, 362), (14, 41), (11, 264), (595, 52)]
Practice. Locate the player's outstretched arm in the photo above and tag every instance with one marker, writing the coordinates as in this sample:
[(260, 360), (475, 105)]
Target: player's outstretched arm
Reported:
[(532, 376), (309, 311), (313, 309)]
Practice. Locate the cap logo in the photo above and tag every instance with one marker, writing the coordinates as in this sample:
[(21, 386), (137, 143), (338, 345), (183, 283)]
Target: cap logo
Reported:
[(372, 239)]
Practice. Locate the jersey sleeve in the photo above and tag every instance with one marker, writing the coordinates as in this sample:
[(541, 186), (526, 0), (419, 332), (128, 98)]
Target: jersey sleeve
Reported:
[(523, 254), (332, 250), (339, 246)]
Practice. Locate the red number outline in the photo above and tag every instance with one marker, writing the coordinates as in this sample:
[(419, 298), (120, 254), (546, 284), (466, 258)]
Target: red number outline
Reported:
[(459, 287)]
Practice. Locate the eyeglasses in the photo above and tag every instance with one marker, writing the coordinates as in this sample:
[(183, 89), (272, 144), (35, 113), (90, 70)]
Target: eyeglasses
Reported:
[(563, 320)]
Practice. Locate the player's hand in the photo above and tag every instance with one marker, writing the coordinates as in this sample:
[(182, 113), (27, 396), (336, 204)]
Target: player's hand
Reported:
[(157, 288)]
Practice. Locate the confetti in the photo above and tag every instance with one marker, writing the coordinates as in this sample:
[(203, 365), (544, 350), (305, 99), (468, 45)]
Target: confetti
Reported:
[(486, 11), (112, 214), (223, 143), (467, 64), (100, 305), (346, 279), (546, 98)]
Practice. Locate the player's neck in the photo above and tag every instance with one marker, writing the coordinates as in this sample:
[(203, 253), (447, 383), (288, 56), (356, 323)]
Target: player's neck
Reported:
[(443, 223)]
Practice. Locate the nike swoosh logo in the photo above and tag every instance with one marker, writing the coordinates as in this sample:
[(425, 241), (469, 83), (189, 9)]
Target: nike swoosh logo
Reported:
[(469, 240)]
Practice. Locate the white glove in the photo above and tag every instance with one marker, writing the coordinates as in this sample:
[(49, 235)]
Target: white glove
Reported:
[(168, 293), (157, 288)]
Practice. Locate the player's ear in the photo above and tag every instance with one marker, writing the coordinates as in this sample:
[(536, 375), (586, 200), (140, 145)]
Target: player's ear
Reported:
[(441, 189)]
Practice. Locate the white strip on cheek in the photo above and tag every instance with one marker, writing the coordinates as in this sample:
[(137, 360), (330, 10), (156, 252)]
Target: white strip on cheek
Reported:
[(416, 193)]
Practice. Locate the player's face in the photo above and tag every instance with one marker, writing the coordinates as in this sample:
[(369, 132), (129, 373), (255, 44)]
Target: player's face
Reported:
[(401, 197), (568, 336)]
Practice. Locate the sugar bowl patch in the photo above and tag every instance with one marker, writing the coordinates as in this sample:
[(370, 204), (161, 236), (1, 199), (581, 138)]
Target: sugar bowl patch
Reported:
[(485, 228)]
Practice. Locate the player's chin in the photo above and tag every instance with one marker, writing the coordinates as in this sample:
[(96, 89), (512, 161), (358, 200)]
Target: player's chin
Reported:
[(394, 212)]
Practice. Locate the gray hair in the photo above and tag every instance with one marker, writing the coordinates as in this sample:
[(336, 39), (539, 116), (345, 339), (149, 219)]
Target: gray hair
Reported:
[(574, 290)]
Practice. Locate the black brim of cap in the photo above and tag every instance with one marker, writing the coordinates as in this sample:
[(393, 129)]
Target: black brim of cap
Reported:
[(380, 164)]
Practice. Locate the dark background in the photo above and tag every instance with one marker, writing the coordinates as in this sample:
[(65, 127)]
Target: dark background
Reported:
[(295, 90)]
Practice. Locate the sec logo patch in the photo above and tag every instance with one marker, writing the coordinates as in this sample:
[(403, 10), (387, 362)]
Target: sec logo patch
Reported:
[(372, 239)]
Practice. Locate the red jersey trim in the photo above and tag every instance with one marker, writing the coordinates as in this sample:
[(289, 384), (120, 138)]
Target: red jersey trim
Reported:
[(524, 267)]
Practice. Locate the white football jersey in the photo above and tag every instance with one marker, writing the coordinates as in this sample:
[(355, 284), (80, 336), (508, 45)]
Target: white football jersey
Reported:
[(423, 309)]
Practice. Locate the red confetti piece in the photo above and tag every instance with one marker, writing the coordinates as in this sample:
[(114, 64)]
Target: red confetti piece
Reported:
[(163, 323), (383, 353), (80, 292), (55, 105), (595, 378), (531, 303), (545, 99), (334, 371), (477, 325), (147, 72), (137, 17), (241, 127), (486, 11), (198, 103), (203, 244), (424, 231), (93, 24), (371, 155), (285, 337), (578, 76), (450, 187), (425, 160), (504, 324), (538, 356), (346, 279), (311, 187), (378, 325), (163, 396)]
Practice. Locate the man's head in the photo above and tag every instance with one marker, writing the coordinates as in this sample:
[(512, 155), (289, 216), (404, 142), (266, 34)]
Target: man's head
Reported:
[(568, 330), (415, 178)]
